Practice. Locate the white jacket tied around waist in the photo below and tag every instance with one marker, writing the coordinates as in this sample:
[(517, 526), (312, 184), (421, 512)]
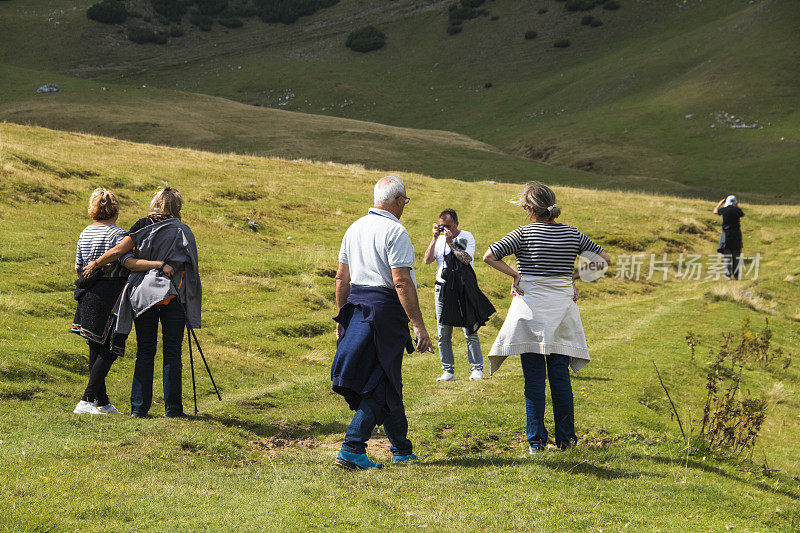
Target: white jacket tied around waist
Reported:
[(544, 320), (171, 241)]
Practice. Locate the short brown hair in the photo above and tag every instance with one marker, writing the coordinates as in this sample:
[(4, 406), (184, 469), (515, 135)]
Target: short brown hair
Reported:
[(167, 201), (103, 204), (539, 199), (451, 213)]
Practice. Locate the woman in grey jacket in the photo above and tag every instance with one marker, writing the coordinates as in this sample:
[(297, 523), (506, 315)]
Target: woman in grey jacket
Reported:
[(170, 294)]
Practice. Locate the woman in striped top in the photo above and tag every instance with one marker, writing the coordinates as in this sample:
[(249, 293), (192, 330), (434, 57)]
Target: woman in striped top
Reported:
[(543, 324), (96, 297)]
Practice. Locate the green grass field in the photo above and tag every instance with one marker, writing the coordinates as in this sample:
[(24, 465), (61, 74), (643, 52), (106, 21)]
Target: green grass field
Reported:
[(261, 459), (633, 104)]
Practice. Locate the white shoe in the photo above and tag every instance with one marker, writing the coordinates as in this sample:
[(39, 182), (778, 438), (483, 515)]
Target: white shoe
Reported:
[(87, 407), (446, 376), (108, 410), (476, 374)]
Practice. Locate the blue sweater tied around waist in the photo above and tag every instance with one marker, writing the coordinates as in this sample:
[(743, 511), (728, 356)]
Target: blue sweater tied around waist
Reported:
[(369, 354)]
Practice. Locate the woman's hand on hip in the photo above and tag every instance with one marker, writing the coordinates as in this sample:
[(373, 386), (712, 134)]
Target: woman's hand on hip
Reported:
[(575, 294), (515, 288)]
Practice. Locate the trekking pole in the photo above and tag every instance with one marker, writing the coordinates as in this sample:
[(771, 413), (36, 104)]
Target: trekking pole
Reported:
[(192, 335), (191, 363)]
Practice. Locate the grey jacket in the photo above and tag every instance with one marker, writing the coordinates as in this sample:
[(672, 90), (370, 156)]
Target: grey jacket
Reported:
[(171, 241)]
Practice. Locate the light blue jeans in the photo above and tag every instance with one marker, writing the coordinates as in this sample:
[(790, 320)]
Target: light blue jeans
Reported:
[(446, 345)]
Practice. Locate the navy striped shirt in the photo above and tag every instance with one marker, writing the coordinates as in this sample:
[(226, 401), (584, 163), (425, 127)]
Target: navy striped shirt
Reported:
[(96, 240), (544, 248)]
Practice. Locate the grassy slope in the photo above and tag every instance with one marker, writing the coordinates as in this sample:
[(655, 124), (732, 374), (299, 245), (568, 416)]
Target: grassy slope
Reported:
[(260, 460), (616, 99)]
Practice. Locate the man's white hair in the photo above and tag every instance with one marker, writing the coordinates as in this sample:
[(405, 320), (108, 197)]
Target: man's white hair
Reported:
[(388, 188)]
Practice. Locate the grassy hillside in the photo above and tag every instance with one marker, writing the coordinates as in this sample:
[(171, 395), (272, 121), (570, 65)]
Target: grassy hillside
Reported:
[(634, 99), (260, 460)]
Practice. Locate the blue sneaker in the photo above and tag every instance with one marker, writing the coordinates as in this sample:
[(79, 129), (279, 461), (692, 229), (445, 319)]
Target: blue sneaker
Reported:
[(535, 449), (354, 461), (404, 458)]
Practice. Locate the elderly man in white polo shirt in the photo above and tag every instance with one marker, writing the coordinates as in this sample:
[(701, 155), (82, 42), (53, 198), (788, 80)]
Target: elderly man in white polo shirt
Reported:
[(376, 293)]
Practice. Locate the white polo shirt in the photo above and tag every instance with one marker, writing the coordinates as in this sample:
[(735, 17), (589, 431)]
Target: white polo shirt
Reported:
[(375, 244), (464, 239)]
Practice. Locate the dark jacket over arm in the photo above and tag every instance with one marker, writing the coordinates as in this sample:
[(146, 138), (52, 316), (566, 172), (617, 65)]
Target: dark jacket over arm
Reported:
[(464, 305)]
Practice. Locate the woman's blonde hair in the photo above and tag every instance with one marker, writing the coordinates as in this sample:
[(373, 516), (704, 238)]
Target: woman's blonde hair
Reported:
[(103, 204), (167, 201), (539, 199)]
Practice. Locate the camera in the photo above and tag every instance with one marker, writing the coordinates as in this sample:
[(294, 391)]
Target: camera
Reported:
[(440, 227)]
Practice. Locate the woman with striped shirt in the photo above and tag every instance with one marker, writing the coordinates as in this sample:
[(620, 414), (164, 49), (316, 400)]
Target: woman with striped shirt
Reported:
[(543, 324), (96, 296)]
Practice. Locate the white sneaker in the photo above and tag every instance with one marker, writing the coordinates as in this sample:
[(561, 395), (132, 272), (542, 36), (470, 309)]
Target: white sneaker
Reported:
[(108, 410), (476, 374), (446, 376), (88, 408)]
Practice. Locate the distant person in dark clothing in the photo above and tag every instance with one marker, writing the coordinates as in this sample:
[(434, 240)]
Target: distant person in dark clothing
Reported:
[(730, 242)]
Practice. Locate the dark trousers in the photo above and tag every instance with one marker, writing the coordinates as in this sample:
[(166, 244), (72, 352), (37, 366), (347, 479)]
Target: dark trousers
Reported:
[(395, 424), (100, 361), (732, 263), (172, 325), (554, 367)]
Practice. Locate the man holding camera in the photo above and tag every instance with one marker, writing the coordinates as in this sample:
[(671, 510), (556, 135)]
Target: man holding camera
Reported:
[(447, 239)]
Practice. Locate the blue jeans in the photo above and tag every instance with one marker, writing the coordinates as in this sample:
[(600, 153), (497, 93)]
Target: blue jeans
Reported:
[(474, 354), (172, 325), (555, 367), (360, 430)]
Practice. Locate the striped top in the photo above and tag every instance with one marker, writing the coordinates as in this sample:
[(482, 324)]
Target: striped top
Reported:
[(545, 248), (94, 241)]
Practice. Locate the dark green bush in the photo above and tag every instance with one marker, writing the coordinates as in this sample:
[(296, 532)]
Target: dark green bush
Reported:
[(239, 12), (231, 22), (366, 39), (204, 22), (175, 31), (580, 5), (596, 22), (173, 10), (288, 11), (542, 11), (487, 85), (562, 43), (141, 35), (494, 17), (530, 34), (472, 3), (211, 7), (611, 5), (459, 13), (108, 12), (454, 29)]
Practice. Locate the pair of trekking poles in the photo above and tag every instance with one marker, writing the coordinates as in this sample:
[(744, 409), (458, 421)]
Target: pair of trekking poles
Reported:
[(191, 335)]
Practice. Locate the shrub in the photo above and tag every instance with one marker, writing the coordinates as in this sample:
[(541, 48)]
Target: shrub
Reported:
[(580, 5), (452, 30), (487, 85), (587, 19), (562, 43), (141, 35), (231, 22), (472, 3), (288, 11), (460, 13), (366, 39), (108, 12), (239, 12), (203, 22), (175, 31), (494, 17), (211, 7), (611, 5), (530, 34), (596, 22), (173, 10), (542, 11)]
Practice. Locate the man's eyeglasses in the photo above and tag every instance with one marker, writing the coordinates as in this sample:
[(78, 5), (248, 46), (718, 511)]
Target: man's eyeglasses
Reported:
[(406, 198)]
